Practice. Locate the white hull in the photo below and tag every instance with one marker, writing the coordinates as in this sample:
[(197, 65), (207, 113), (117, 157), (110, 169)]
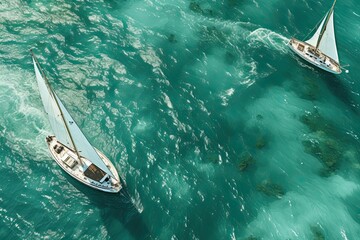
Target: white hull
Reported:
[(68, 161), (316, 58)]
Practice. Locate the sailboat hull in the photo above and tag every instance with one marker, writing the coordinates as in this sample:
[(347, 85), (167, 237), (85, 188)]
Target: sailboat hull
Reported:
[(315, 57), (67, 159)]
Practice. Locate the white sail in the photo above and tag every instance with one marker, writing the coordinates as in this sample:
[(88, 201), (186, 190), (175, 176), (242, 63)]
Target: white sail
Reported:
[(52, 110), (327, 44), (83, 146)]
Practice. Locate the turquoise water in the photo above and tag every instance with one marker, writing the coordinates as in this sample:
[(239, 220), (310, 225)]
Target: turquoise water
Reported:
[(218, 129)]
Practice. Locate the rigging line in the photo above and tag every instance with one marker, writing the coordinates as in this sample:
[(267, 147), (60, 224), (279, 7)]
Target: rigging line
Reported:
[(312, 30)]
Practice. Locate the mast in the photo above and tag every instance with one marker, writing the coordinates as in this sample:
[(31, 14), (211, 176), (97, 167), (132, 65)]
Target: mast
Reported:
[(324, 26), (57, 104)]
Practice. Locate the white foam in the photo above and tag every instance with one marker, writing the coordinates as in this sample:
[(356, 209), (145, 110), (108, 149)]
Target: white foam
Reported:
[(25, 123), (225, 96), (137, 202), (268, 38), (167, 101)]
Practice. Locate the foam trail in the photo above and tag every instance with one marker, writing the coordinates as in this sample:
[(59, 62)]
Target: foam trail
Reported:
[(269, 38), (19, 106)]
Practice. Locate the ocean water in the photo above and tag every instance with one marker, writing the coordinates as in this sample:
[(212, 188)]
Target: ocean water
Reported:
[(218, 129)]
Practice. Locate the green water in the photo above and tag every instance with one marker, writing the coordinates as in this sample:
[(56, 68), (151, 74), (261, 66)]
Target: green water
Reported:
[(218, 129)]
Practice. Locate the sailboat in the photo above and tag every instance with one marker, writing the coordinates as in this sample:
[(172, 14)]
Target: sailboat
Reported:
[(320, 50), (69, 147)]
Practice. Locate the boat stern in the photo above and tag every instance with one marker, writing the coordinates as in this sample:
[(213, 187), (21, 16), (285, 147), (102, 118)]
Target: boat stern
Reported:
[(296, 45)]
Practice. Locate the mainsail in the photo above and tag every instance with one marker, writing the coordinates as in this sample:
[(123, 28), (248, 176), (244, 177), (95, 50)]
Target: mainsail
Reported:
[(53, 112), (327, 43), (54, 107)]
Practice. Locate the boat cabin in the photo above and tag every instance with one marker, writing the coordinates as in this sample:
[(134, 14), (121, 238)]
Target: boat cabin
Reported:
[(95, 173)]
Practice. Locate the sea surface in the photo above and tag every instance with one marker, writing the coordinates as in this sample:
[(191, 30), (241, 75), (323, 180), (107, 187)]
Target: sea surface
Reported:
[(217, 128)]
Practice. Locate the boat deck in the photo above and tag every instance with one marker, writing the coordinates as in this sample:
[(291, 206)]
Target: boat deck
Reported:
[(315, 57), (84, 171)]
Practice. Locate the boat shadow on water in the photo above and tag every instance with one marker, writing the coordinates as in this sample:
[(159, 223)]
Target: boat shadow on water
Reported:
[(117, 210)]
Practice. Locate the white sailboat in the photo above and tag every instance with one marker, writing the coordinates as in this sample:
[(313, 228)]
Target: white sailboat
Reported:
[(320, 50), (69, 147)]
